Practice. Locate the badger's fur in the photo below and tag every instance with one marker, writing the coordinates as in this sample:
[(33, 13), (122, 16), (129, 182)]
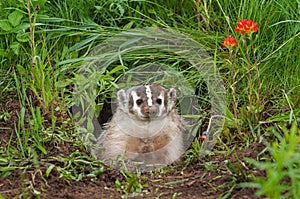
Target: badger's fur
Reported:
[(145, 128)]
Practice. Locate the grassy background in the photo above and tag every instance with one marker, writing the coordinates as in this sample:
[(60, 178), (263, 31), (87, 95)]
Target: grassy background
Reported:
[(66, 31)]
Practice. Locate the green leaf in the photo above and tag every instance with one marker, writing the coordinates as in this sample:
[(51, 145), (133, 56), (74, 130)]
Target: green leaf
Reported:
[(83, 43), (21, 70), (15, 46), (129, 25), (118, 184), (49, 169), (41, 148), (2, 52), (5, 25), (23, 37), (3, 161), (15, 18), (63, 83), (6, 171), (116, 69)]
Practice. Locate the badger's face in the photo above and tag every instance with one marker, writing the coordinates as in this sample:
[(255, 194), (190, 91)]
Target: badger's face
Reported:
[(149, 102)]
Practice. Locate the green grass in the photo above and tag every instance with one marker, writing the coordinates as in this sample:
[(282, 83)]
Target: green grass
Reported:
[(282, 170), (45, 64)]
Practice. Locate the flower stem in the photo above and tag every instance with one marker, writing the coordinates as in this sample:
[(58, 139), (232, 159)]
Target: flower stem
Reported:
[(249, 79), (232, 85), (258, 79)]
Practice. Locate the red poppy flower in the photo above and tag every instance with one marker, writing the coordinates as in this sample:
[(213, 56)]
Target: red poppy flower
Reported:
[(229, 42), (245, 26)]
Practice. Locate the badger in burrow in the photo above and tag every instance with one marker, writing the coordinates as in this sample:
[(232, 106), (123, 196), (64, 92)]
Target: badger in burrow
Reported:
[(145, 128)]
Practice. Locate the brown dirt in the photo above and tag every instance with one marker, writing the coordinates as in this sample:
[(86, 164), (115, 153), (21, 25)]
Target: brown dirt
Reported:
[(196, 181), (208, 178)]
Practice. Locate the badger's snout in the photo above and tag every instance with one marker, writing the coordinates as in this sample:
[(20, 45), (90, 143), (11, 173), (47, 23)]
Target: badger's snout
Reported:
[(150, 111)]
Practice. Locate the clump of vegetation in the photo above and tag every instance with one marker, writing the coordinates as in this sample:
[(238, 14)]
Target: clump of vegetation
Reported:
[(43, 45), (282, 169)]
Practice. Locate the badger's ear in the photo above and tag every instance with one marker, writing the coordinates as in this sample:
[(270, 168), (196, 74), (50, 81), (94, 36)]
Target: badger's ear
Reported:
[(122, 99), (171, 98)]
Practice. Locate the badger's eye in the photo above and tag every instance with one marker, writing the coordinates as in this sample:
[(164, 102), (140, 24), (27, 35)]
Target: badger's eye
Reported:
[(139, 102), (158, 101)]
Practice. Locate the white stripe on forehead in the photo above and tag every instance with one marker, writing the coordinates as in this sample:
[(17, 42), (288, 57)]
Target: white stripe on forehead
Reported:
[(149, 95)]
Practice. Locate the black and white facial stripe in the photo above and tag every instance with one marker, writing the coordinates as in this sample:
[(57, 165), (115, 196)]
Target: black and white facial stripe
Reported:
[(149, 95), (147, 102)]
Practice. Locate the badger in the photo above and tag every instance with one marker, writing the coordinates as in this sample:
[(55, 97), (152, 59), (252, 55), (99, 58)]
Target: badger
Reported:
[(145, 128)]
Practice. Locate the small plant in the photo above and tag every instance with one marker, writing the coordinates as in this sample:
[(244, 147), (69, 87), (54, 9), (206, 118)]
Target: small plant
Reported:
[(4, 115), (132, 184), (230, 43), (246, 28), (283, 169)]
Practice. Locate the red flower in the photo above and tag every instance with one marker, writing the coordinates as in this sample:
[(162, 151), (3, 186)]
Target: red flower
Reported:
[(229, 42), (202, 138), (245, 26)]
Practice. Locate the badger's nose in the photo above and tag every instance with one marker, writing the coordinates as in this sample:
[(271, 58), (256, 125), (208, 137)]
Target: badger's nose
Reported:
[(147, 110), (151, 110)]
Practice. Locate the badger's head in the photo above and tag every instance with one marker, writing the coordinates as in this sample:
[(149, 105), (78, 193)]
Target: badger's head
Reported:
[(147, 102)]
